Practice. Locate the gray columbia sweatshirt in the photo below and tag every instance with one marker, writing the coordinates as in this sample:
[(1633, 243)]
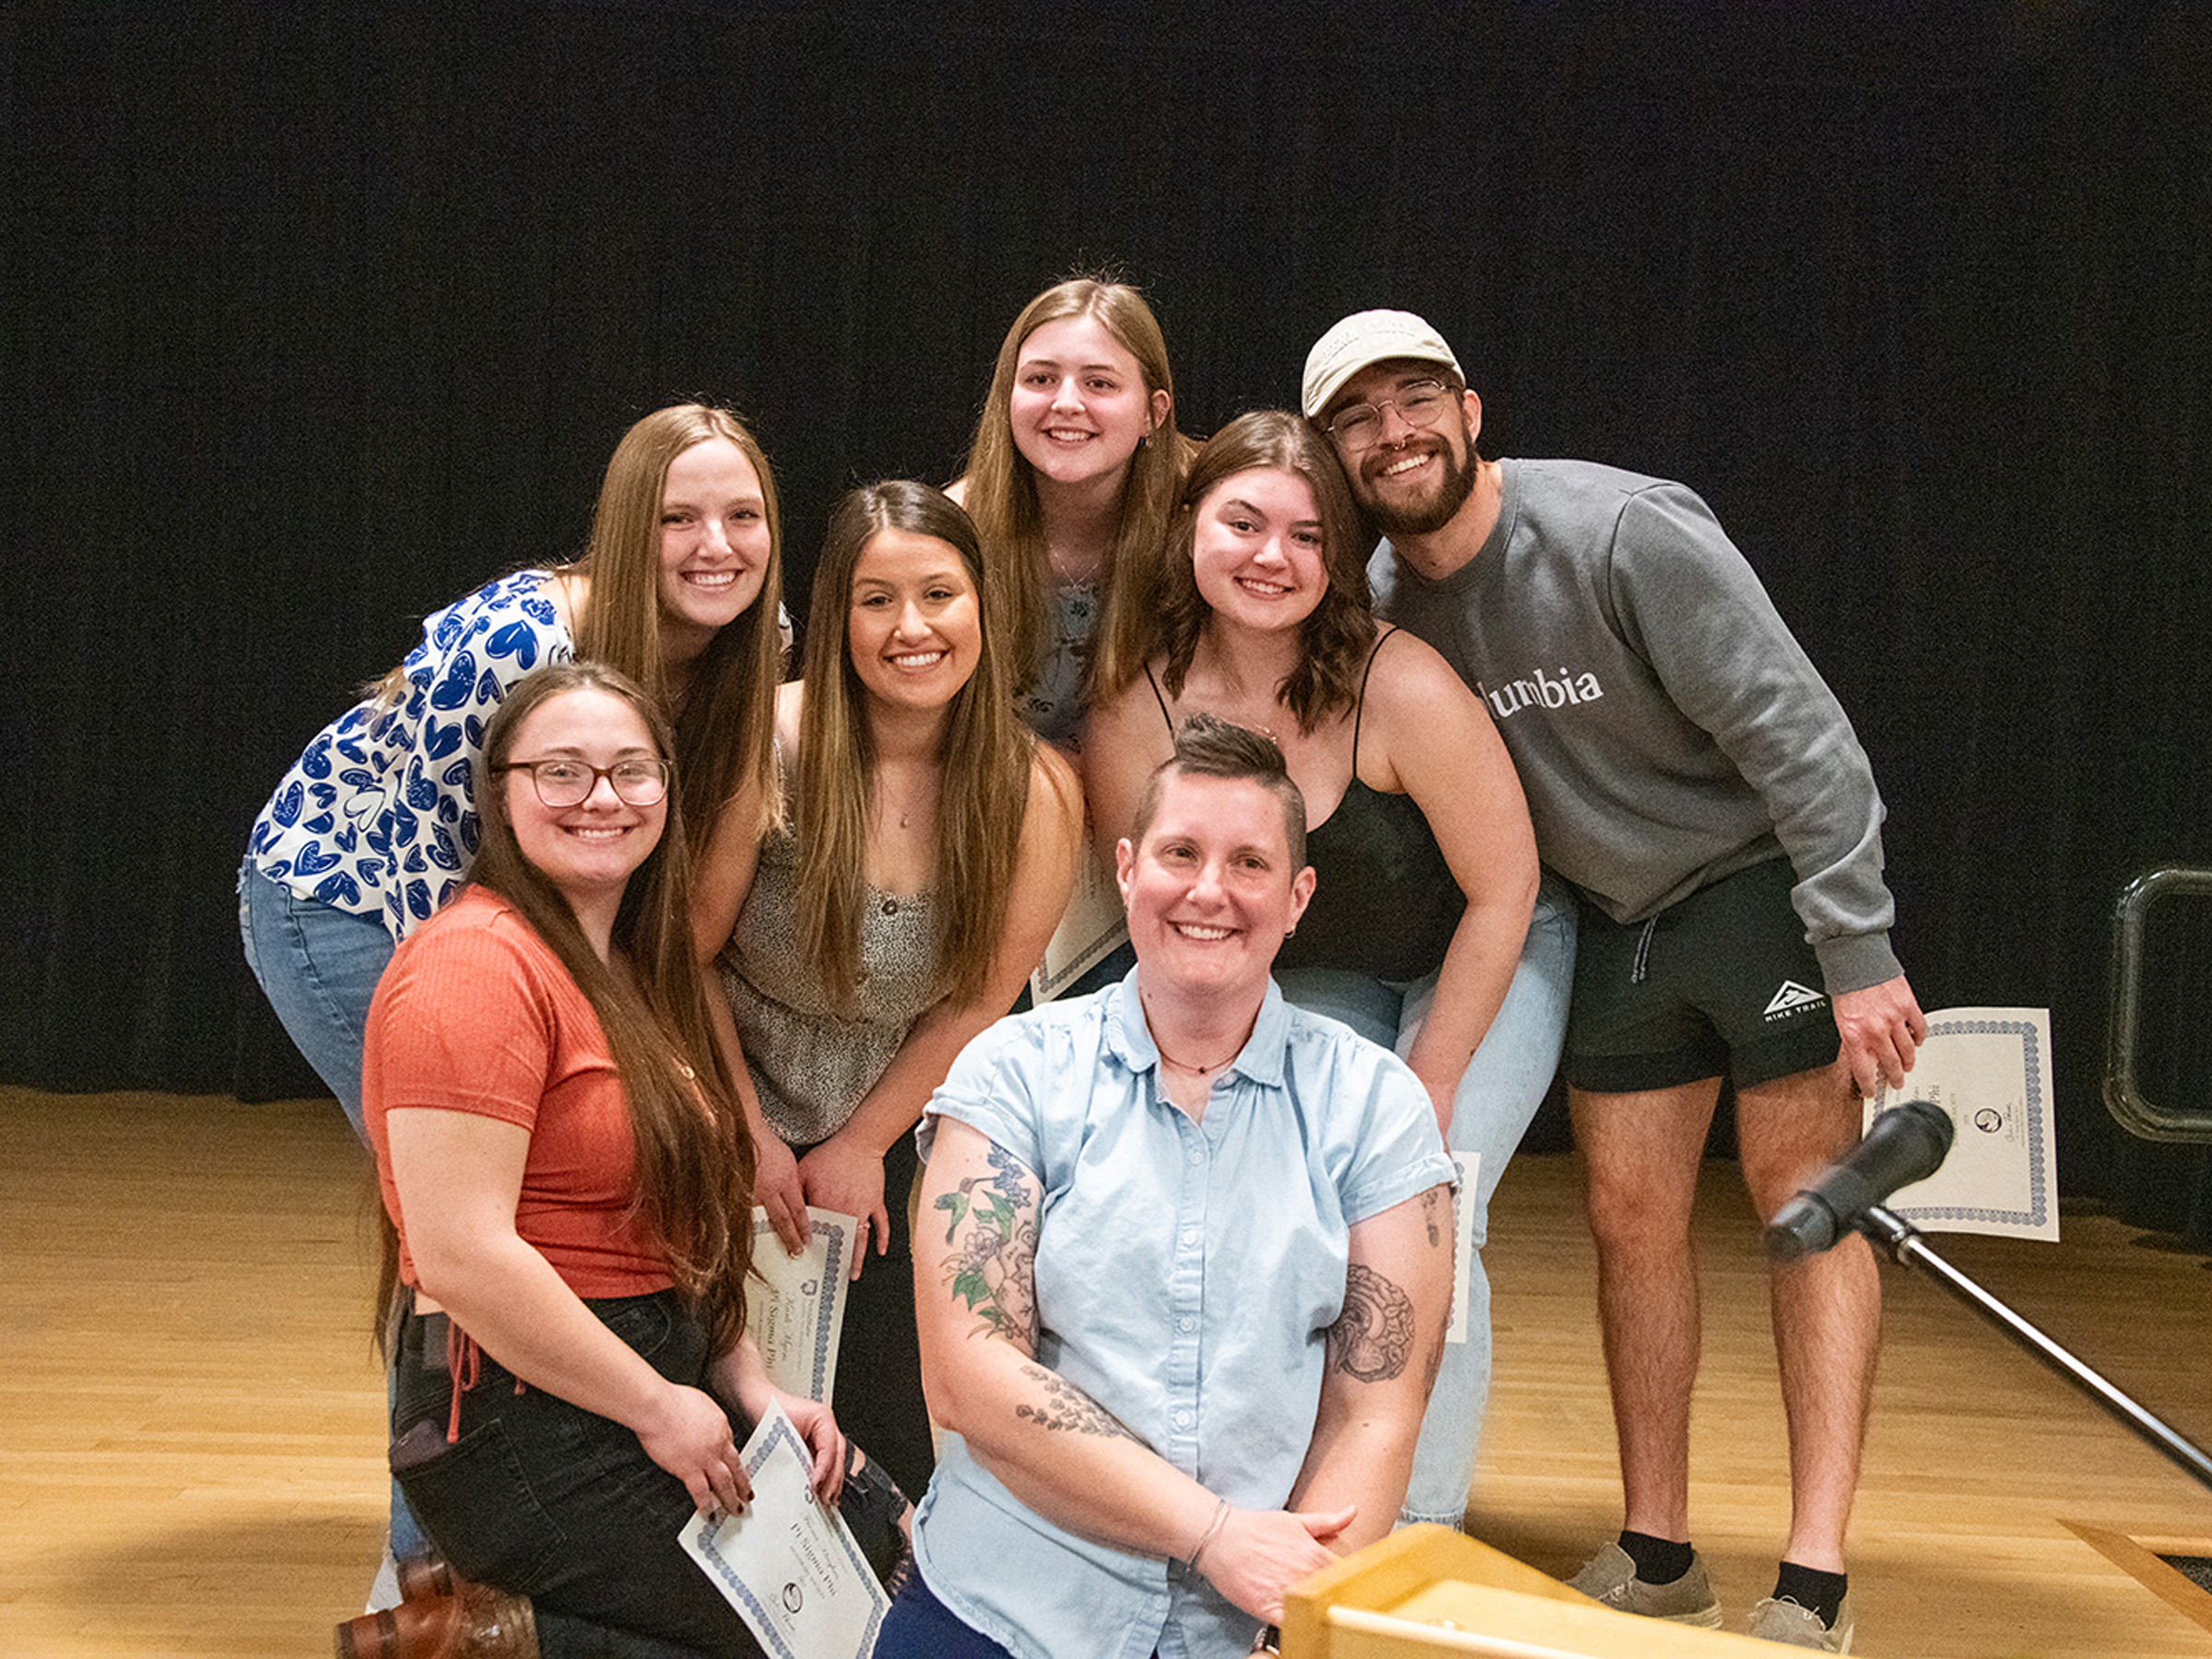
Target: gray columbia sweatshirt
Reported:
[(1667, 729)]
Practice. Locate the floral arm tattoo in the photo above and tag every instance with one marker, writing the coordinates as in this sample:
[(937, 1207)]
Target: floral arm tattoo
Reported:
[(1065, 1406), (993, 1268), (1373, 1337), (990, 1224)]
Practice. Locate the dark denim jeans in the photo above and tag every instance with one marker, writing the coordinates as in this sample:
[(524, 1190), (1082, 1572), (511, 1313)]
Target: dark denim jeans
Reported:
[(562, 1505), (921, 1627)]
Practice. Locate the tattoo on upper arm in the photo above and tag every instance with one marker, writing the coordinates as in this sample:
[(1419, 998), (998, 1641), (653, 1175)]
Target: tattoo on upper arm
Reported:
[(1372, 1339), (994, 1267), (1435, 1211), (1068, 1407)]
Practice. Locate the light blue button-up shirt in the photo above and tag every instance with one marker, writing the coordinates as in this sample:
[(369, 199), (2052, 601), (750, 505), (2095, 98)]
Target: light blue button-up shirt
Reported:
[(1186, 1275)]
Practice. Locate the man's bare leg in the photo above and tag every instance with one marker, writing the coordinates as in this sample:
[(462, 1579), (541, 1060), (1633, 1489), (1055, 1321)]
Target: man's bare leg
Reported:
[(1827, 1308), (1642, 1152)]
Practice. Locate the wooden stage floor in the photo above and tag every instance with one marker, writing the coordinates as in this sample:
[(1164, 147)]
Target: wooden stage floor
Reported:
[(191, 1412)]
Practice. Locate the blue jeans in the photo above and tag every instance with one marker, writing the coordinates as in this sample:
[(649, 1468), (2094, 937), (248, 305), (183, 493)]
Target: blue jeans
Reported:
[(1499, 1091), (919, 1625), (319, 966)]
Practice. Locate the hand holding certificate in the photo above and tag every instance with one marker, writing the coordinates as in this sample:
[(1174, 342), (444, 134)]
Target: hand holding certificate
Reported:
[(789, 1564), (1990, 1070), (797, 1309)]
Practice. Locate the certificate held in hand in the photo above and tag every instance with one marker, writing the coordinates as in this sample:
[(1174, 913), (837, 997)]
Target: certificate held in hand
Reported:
[(789, 1564), (795, 1306)]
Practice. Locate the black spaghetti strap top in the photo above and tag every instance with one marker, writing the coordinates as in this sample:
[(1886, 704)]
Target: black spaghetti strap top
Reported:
[(1385, 902)]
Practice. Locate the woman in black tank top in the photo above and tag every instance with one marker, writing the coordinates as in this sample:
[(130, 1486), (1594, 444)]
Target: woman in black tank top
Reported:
[(1418, 831), (1425, 866)]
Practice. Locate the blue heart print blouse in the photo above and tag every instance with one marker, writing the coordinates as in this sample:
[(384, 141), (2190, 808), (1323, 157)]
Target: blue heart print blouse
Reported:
[(379, 816)]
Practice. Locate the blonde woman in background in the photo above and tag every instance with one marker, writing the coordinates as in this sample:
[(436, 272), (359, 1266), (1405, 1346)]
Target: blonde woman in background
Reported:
[(1074, 470)]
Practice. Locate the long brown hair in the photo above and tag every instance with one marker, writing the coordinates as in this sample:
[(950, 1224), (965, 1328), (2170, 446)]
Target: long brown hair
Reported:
[(1337, 637), (725, 731), (725, 728), (694, 1158), (1002, 488), (983, 787)]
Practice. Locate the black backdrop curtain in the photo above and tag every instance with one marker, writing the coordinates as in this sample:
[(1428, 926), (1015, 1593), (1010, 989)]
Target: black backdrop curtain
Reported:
[(316, 314)]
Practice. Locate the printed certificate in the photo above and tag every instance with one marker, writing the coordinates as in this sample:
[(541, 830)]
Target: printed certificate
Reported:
[(789, 1564), (1469, 1165), (1990, 1070), (1092, 926), (795, 1307)]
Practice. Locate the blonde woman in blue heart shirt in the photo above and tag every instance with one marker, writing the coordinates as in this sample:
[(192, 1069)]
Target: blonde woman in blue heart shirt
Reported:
[(375, 826)]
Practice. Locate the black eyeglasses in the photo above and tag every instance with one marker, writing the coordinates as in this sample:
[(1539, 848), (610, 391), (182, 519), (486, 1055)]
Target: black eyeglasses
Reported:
[(637, 783), (1418, 404)]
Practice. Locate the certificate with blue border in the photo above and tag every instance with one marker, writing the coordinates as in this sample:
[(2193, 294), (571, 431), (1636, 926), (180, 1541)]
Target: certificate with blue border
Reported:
[(789, 1564), (1989, 1069), (795, 1305)]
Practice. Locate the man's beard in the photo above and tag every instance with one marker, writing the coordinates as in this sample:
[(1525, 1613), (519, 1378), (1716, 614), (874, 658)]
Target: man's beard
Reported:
[(1452, 495)]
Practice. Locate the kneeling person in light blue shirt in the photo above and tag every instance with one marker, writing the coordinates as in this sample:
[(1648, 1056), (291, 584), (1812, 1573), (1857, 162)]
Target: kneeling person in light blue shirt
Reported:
[(1182, 1269)]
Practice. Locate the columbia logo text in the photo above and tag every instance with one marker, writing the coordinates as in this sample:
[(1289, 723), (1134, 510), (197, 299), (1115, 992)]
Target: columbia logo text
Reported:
[(1570, 688)]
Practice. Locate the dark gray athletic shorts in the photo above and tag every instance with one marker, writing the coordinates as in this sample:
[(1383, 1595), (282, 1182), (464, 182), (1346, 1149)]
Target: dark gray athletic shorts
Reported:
[(1719, 983)]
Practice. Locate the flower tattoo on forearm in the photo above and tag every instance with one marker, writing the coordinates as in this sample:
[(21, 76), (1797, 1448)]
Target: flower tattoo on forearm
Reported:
[(1065, 1406)]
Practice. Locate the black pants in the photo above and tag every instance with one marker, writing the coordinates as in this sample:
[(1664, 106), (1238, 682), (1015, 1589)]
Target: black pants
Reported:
[(562, 1505), (877, 1396)]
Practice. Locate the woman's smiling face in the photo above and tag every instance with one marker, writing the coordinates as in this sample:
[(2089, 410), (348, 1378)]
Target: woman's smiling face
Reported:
[(1079, 407), (714, 544), (915, 631), (1256, 549), (591, 847)]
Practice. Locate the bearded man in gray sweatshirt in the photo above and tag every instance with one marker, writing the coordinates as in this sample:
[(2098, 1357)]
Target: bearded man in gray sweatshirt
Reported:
[(1690, 774)]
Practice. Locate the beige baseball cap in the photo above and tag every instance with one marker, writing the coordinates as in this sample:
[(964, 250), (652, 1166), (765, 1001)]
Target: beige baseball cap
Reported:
[(1364, 337)]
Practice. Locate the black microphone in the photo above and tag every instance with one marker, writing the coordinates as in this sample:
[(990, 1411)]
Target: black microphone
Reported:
[(1908, 1143)]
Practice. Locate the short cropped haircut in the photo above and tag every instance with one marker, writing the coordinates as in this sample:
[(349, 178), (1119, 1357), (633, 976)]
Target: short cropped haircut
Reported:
[(1208, 747)]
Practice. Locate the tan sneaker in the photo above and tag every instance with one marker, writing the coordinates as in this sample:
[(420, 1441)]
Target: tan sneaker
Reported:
[(1609, 1579), (1793, 1625)]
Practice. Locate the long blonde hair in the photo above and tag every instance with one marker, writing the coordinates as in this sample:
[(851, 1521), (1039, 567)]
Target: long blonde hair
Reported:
[(725, 729), (983, 788), (1002, 488)]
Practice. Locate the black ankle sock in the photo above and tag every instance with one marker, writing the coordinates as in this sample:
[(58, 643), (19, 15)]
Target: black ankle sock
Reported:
[(1658, 1561), (1820, 1594)]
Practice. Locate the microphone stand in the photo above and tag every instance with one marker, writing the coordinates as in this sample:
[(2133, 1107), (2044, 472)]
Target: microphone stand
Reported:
[(1890, 1232)]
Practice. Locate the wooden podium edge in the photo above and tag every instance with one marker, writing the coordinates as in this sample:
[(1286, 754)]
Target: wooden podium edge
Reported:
[(2139, 1561), (1392, 1568)]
